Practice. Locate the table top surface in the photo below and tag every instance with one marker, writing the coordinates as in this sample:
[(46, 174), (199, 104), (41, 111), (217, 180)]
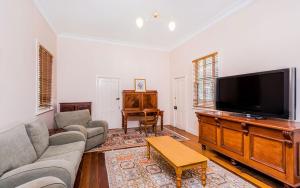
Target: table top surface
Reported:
[(176, 152)]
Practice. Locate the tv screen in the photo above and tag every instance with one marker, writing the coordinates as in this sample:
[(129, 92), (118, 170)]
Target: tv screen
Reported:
[(265, 93)]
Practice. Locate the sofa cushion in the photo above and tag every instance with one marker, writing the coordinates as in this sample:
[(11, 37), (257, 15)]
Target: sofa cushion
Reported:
[(62, 149), (73, 157), (39, 136), (91, 132), (16, 149), (80, 117)]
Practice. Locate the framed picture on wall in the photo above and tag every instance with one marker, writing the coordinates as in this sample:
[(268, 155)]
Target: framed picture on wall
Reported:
[(140, 85)]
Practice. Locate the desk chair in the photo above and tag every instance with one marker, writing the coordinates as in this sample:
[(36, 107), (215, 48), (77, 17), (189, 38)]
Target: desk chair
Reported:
[(149, 120)]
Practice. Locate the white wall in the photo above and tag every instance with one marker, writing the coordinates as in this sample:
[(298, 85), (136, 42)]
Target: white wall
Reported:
[(262, 36), (21, 24), (80, 61)]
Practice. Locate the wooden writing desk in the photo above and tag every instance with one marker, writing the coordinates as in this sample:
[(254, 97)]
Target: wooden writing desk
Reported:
[(135, 102)]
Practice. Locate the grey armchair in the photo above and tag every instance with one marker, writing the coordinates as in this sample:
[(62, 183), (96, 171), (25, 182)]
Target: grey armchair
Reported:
[(94, 131)]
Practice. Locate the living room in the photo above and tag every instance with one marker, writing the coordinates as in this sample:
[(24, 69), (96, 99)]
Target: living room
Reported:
[(78, 79)]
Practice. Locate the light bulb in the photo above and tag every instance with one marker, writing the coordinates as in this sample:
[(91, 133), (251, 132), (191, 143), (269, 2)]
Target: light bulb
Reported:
[(172, 26), (139, 22)]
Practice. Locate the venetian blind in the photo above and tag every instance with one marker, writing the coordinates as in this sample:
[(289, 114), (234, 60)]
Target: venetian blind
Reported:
[(44, 78), (205, 74)]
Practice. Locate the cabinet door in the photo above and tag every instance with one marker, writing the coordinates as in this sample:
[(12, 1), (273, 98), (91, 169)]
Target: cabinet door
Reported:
[(132, 101), (149, 100), (232, 137), (267, 148), (208, 133)]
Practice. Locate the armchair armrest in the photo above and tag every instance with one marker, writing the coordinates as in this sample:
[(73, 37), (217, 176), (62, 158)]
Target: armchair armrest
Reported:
[(99, 123), (48, 181), (80, 128), (66, 137)]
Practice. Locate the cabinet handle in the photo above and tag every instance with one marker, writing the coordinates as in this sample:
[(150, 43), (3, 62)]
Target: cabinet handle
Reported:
[(245, 128), (288, 136), (217, 120)]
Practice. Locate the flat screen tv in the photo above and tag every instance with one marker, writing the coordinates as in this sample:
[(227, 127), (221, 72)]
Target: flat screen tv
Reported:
[(262, 94)]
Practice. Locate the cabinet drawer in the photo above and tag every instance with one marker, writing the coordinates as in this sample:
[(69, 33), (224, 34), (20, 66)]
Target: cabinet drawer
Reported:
[(208, 133), (209, 120), (67, 107), (83, 107)]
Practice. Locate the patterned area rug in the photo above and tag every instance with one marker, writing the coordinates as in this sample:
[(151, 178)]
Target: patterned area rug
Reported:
[(117, 139), (131, 168)]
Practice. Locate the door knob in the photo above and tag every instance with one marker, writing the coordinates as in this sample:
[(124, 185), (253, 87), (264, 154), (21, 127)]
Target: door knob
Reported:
[(117, 98), (175, 107)]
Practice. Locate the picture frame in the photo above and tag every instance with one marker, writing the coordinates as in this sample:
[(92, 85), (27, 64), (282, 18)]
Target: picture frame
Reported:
[(140, 85)]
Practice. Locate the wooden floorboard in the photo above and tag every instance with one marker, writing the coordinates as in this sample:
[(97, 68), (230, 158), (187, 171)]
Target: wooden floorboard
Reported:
[(92, 171)]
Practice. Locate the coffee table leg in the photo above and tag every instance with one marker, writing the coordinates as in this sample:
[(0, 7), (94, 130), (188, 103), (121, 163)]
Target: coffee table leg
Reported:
[(178, 177), (203, 173), (148, 150)]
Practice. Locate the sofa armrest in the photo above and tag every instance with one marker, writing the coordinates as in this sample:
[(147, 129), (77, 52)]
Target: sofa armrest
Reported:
[(66, 137), (79, 128), (62, 169), (45, 182), (99, 123)]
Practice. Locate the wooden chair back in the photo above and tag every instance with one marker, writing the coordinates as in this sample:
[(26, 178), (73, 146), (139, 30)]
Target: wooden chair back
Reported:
[(150, 116)]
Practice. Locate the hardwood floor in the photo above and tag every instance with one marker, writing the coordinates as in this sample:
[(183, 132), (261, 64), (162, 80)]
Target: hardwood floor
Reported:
[(92, 170)]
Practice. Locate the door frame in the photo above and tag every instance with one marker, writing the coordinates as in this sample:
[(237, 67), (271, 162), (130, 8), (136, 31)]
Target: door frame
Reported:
[(173, 101), (97, 92)]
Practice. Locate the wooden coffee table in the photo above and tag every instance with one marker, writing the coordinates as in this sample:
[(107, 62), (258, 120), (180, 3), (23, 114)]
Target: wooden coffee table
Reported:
[(178, 155)]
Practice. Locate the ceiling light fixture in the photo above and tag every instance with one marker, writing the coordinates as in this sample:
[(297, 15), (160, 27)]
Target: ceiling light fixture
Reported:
[(139, 22), (172, 26), (155, 17)]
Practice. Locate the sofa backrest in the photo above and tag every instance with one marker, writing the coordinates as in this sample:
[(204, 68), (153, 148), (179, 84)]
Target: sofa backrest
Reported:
[(80, 117), (38, 134), (16, 149)]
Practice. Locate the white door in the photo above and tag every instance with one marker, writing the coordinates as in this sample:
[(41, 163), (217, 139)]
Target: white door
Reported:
[(179, 113), (108, 102)]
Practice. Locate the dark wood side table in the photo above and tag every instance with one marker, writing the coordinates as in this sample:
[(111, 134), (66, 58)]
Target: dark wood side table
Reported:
[(73, 106)]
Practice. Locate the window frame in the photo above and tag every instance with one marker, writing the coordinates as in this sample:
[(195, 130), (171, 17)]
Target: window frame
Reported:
[(40, 110), (214, 75)]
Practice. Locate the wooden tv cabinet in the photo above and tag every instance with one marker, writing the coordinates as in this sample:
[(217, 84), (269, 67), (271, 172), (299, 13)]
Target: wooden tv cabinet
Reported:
[(270, 146)]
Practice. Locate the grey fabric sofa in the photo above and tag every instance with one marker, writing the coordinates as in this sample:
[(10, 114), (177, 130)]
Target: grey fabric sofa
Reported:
[(28, 153), (94, 131)]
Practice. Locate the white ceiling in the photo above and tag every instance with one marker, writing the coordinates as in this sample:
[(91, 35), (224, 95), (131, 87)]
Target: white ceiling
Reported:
[(114, 20)]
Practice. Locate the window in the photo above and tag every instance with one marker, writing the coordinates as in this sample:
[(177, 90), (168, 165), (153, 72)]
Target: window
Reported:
[(44, 79), (205, 74)]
